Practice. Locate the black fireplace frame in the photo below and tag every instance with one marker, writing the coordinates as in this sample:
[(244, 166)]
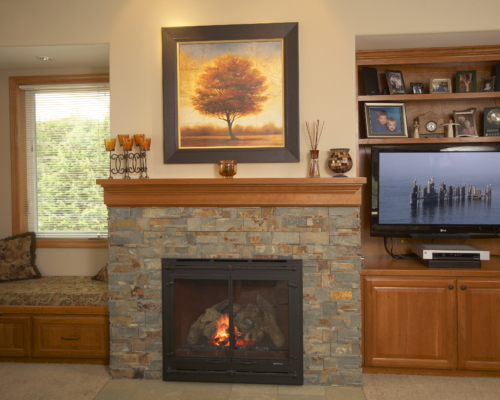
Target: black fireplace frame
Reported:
[(235, 369)]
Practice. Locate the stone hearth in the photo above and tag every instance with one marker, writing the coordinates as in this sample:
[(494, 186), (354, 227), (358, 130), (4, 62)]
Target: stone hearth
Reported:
[(326, 238)]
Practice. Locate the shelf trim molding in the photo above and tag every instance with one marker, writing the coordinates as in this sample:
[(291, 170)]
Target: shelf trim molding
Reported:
[(428, 55), (250, 192)]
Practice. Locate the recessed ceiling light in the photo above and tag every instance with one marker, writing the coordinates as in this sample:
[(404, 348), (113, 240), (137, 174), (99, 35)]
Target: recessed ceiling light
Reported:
[(44, 58)]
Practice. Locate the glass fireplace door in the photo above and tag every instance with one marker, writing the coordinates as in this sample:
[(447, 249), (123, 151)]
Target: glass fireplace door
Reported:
[(227, 317), (260, 317), (201, 317)]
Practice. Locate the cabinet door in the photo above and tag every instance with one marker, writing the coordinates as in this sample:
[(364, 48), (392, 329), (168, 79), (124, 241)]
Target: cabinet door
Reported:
[(410, 322), (479, 324), (15, 335), (70, 336)]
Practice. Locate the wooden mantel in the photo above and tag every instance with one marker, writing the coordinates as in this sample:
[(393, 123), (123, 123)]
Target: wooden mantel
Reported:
[(219, 192)]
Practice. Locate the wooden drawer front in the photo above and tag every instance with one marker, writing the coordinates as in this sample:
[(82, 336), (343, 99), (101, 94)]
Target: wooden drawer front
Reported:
[(15, 336), (66, 336)]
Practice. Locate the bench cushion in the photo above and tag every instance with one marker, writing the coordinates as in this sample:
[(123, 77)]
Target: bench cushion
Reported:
[(55, 291)]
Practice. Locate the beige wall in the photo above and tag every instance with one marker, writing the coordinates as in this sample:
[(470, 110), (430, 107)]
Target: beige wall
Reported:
[(327, 31)]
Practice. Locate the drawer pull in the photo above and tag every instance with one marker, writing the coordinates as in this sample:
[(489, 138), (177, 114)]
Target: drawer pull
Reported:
[(70, 338)]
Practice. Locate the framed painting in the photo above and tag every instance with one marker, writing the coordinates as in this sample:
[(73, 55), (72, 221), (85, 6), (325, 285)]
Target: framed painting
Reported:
[(231, 92)]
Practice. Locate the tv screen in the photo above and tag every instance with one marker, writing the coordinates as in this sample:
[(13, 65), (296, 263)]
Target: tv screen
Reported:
[(435, 191)]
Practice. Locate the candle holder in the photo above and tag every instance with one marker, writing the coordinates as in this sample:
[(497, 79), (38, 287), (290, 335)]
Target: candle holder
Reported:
[(128, 162), (228, 168)]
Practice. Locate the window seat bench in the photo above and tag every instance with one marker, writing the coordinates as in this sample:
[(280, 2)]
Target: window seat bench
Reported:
[(59, 319)]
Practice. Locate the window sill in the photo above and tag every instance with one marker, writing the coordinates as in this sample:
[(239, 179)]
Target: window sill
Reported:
[(72, 243)]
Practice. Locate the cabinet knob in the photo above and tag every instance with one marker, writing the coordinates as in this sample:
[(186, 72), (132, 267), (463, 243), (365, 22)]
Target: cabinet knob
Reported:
[(463, 287), (451, 287)]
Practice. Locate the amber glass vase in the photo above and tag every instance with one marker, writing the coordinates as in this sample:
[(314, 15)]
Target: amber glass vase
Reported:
[(340, 162), (228, 168)]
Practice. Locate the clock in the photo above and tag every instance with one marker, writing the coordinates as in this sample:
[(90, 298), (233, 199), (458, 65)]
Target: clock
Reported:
[(432, 124), (492, 121)]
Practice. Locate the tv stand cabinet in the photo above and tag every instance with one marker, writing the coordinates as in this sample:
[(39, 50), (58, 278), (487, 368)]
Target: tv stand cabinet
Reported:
[(430, 321)]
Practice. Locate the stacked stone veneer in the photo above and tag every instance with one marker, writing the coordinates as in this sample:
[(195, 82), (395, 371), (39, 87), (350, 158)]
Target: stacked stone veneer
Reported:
[(327, 239)]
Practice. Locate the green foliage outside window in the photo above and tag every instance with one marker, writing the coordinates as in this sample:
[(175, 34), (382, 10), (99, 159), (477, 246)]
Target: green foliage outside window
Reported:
[(70, 157)]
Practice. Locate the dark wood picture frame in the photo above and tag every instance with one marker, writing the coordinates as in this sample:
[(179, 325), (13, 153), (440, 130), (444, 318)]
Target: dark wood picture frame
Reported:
[(172, 36), (395, 81), (470, 84)]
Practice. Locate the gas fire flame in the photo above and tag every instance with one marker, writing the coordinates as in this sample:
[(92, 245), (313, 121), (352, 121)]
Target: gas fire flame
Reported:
[(222, 335)]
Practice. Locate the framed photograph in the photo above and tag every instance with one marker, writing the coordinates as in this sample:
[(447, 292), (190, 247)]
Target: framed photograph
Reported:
[(467, 122), (385, 120), (466, 81), (395, 81), (417, 87), (440, 86), (231, 92), (488, 84)]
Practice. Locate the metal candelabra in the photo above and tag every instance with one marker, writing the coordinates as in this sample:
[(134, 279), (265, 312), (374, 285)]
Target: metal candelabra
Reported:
[(128, 162)]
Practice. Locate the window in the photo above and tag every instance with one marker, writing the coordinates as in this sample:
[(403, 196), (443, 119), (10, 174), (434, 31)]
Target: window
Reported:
[(58, 137)]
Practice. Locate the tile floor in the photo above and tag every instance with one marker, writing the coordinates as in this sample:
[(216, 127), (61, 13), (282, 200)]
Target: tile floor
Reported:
[(153, 390)]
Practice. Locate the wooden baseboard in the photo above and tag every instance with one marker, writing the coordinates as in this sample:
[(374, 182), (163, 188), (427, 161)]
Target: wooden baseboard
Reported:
[(40, 360), (435, 372), (55, 310)]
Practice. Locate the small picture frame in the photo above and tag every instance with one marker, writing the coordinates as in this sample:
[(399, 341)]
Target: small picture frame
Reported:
[(488, 84), (440, 86), (466, 81), (416, 87), (385, 120), (466, 123), (395, 81)]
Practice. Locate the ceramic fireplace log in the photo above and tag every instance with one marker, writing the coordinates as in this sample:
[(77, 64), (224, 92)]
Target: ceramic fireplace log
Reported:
[(205, 324), (269, 324)]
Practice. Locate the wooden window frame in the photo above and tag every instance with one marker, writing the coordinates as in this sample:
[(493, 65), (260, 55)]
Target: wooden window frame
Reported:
[(18, 156)]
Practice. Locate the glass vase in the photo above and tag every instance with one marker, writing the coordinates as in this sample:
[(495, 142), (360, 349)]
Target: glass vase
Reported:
[(340, 161), (313, 166)]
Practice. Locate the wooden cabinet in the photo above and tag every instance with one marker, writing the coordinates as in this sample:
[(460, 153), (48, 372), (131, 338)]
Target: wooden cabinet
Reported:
[(410, 322), (68, 334), (423, 319), (479, 324), (15, 335)]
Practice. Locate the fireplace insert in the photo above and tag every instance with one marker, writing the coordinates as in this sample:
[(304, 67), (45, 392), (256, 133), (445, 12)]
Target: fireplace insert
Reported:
[(232, 320)]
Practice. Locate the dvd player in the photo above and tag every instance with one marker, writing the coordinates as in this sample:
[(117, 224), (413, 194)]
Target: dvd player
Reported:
[(450, 252)]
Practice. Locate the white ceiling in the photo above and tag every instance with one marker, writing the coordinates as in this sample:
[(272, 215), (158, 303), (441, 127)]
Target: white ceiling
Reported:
[(73, 56), (377, 42)]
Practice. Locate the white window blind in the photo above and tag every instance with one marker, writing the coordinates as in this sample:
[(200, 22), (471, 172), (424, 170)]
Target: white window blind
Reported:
[(65, 128)]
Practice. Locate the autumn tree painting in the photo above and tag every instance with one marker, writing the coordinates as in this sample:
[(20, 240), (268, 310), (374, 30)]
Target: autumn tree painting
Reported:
[(230, 88)]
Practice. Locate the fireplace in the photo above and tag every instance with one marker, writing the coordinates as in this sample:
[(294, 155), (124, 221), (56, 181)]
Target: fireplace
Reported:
[(312, 221), (232, 320)]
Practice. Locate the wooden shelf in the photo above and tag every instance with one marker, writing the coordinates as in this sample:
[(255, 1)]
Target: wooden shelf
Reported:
[(430, 97), (446, 140), (238, 192), (422, 65)]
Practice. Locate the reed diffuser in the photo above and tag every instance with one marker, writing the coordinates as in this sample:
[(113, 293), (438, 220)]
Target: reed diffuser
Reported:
[(314, 131)]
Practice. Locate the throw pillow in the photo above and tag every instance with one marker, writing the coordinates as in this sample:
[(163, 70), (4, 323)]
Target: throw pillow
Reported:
[(17, 258), (102, 275)]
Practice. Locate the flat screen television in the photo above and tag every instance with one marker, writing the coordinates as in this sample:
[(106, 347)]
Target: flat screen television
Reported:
[(435, 191)]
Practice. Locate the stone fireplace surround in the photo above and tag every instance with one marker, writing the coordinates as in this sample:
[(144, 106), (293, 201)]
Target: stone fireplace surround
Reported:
[(316, 220)]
